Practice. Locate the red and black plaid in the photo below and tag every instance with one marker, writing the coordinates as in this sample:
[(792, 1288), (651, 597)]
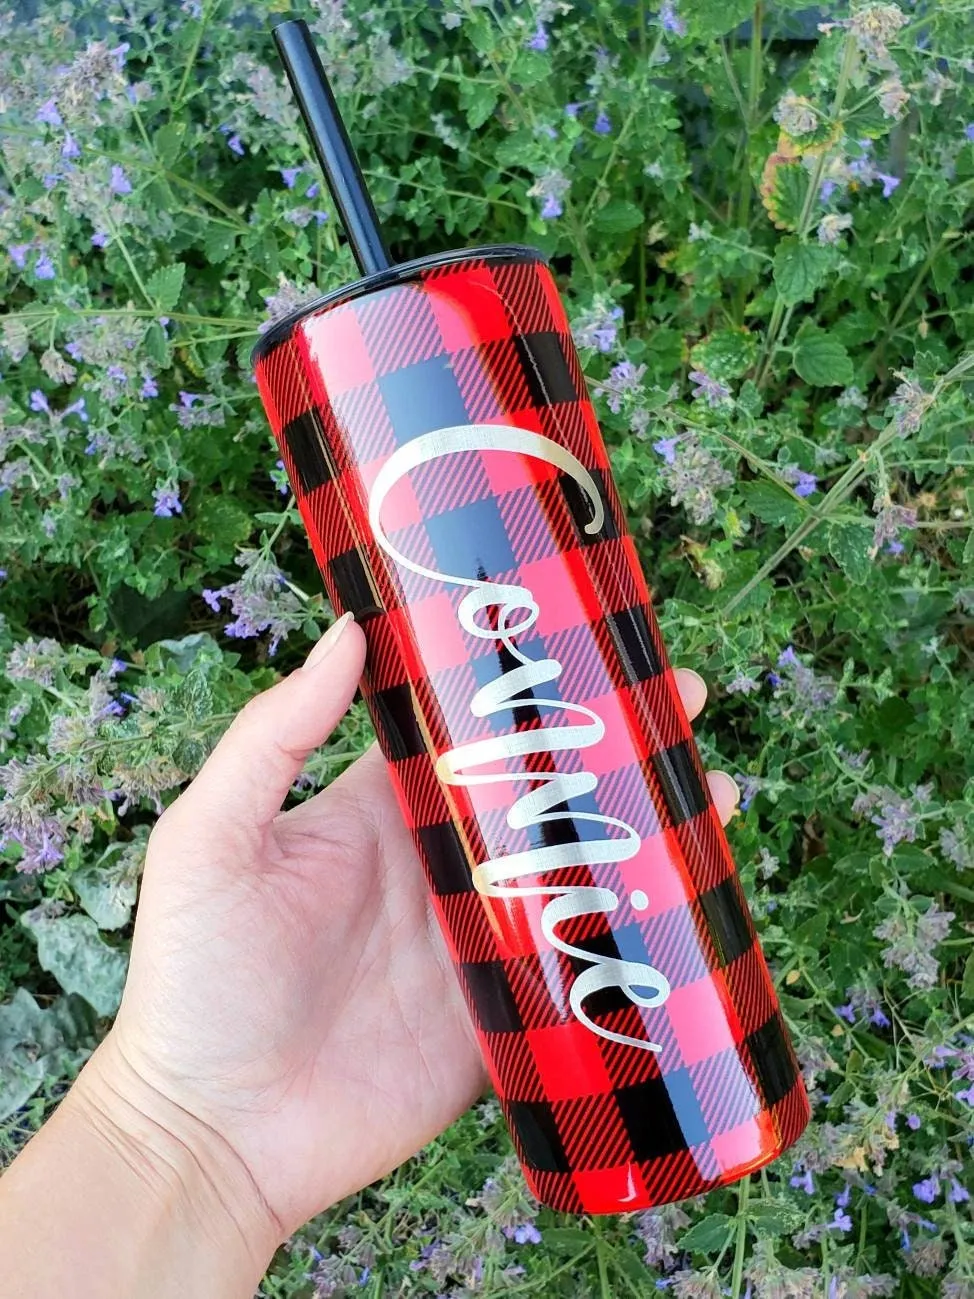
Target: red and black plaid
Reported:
[(482, 338)]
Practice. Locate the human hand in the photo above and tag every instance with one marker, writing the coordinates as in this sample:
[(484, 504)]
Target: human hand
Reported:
[(289, 993)]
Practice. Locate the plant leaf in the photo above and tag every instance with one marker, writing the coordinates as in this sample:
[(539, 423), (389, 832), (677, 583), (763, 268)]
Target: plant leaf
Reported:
[(726, 354), (38, 1044), (800, 270), (70, 948), (707, 1235), (820, 359), (618, 216), (165, 285), (850, 545), (771, 503)]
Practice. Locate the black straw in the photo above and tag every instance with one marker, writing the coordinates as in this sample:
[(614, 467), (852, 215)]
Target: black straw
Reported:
[(331, 144)]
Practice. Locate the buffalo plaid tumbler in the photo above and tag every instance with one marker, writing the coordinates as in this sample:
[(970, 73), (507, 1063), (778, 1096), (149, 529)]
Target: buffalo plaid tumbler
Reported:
[(456, 489), (450, 471)]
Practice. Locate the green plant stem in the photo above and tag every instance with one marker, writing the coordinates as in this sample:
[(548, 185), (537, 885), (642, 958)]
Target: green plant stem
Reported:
[(129, 262), (191, 61), (875, 356), (840, 490), (737, 1277), (780, 315), (605, 1288), (754, 88)]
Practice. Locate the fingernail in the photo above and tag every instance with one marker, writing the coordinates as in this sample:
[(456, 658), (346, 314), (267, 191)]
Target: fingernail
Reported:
[(728, 780), (327, 643), (697, 677)]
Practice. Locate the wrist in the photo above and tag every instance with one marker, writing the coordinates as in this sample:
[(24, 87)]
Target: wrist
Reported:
[(194, 1189)]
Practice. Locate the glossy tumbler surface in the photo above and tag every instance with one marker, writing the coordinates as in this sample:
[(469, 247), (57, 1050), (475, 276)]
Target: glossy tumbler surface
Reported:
[(456, 490)]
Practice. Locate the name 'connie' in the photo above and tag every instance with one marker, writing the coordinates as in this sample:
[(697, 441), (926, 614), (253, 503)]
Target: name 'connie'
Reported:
[(502, 612)]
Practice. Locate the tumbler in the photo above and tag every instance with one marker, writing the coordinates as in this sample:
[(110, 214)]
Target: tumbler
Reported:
[(448, 465)]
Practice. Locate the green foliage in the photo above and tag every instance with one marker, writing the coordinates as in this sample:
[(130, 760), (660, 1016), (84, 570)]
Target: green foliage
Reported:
[(820, 359), (70, 948), (734, 194)]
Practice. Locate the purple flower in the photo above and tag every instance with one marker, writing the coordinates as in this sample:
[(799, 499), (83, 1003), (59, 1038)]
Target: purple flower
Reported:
[(774, 680), (957, 1193), (70, 148), (841, 1221), (844, 1196), (18, 254), (895, 547), (788, 657), (313, 190), (188, 399), (806, 484), (671, 20), (804, 1182), (927, 1190), (966, 1095), (117, 667), (828, 189), (212, 598), (862, 169), (846, 1012), (603, 125), (551, 208), (167, 501), (76, 408), (48, 114), (879, 1018), (118, 55), (601, 331), (666, 447), (235, 145), (39, 402), (116, 374), (572, 110), (290, 175), (44, 268), (119, 183), (889, 183), (539, 41), (525, 1233), (913, 1122), (969, 132), (149, 387), (712, 391)]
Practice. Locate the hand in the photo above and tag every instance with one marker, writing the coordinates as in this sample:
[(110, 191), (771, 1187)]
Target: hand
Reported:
[(289, 988)]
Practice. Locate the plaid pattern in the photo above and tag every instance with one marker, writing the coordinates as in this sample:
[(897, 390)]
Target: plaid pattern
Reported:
[(600, 1126)]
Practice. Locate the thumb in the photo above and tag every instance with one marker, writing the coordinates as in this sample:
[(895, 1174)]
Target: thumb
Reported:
[(247, 776)]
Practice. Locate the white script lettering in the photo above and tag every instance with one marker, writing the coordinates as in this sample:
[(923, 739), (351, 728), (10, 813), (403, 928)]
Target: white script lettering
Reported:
[(513, 610)]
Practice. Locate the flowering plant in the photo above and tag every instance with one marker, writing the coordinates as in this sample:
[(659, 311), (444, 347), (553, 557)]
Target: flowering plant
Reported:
[(757, 216)]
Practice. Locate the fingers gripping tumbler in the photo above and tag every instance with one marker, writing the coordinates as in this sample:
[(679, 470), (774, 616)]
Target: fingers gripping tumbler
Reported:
[(456, 490)]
